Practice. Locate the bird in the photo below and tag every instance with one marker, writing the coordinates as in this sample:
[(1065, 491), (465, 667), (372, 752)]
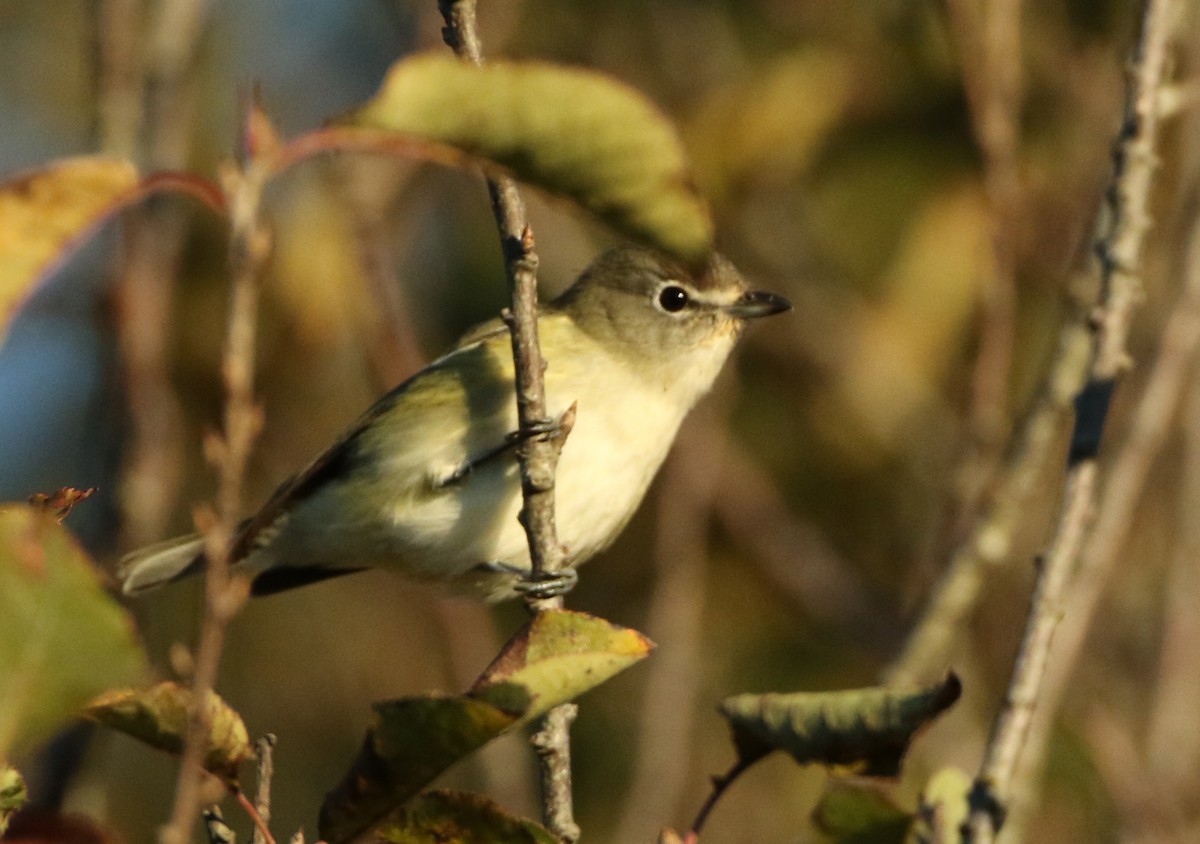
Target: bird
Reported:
[(426, 482)]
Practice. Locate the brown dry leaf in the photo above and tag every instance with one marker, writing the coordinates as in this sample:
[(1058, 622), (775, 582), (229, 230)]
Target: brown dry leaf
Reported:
[(43, 213)]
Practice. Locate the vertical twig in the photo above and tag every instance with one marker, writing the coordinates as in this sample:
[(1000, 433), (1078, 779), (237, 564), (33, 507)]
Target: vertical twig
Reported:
[(250, 243), (264, 750), (1121, 289), (538, 454)]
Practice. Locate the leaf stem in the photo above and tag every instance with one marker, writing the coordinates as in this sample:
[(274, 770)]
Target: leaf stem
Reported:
[(720, 786)]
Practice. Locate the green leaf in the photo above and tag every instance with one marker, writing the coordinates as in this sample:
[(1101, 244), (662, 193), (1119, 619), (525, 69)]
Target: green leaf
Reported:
[(12, 794), (943, 809), (445, 817), (158, 716), (556, 657), (852, 814), (569, 131), (865, 730), (63, 639)]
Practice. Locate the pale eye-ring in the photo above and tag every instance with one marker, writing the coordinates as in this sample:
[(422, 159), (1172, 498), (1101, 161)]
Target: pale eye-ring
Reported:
[(672, 299)]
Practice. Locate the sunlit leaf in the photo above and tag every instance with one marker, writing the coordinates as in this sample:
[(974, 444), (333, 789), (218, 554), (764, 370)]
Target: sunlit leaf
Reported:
[(554, 658), (12, 794), (853, 814), (63, 639), (558, 656), (442, 817), (158, 716), (865, 730), (943, 809), (569, 131)]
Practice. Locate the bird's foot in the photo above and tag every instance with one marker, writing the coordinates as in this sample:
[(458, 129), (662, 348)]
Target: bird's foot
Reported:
[(548, 584)]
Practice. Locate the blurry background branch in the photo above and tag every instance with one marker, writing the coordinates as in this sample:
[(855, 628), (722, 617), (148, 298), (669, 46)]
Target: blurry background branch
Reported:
[(1120, 249)]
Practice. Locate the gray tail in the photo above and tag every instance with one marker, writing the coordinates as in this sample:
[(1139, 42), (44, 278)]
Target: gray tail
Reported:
[(158, 565)]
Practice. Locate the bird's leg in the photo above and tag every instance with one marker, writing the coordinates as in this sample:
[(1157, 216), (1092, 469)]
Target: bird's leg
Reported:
[(544, 428), (551, 584)]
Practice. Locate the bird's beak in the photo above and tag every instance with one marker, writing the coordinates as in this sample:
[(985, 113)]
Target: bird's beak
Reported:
[(756, 303)]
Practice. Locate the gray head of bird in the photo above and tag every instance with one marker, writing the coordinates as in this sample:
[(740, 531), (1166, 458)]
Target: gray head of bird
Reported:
[(642, 305)]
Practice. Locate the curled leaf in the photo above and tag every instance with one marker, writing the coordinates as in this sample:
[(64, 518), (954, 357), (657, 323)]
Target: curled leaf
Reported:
[(62, 501), (554, 658), (441, 816), (569, 131), (63, 639), (865, 730), (158, 716)]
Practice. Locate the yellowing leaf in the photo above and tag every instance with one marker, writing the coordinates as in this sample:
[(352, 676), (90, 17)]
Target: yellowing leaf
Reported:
[(554, 658), (865, 730), (558, 656), (440, 817), (569, 131), (158, 716), (62, 638), (42, 213)]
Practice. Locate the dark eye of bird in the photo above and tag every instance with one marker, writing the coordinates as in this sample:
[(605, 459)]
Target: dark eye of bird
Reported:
[(673, 299)]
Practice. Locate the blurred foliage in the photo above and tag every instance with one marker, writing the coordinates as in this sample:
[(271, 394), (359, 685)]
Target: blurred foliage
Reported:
[(833, 141)]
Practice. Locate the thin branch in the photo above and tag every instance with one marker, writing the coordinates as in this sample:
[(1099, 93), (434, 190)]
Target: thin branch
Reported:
[(989, 542), (264, 749), (1121, 290), (229, 452), (538, 454), (1129, 476), (720, 786)]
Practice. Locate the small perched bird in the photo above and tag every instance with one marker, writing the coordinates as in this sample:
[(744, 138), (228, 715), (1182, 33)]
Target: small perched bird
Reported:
[(426, 482)]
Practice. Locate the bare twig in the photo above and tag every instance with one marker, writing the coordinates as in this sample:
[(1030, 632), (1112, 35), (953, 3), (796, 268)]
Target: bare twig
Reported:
[(1129, 475), (249, 246), (990, 540), (720, 786), (264, 749), (1121, 289), (539, 454)]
